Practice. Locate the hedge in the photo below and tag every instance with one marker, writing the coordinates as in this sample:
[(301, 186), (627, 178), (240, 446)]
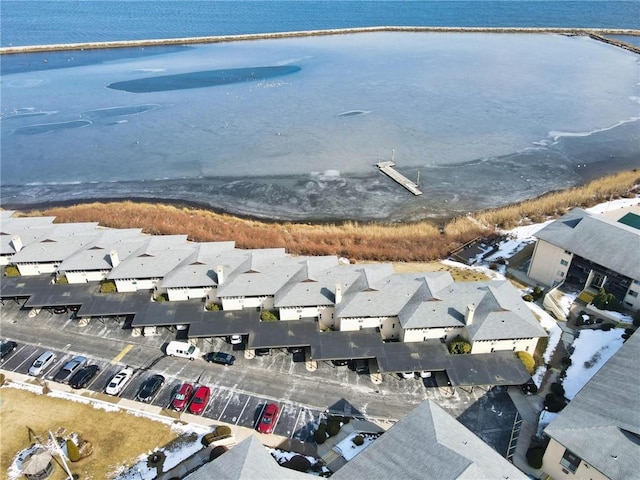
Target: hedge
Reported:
[(358, 440), (534, 457), (72, 451), (298, 463), (333, 428)]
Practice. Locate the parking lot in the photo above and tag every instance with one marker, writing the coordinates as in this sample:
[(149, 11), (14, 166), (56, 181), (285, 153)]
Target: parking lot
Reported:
[(238, 392), (224, 405)]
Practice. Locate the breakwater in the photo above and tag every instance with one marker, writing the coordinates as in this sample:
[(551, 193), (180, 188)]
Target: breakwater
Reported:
[(595, 33)]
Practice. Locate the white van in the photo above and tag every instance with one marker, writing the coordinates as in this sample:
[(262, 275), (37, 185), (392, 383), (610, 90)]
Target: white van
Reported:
[(41, 363), (182, 349)]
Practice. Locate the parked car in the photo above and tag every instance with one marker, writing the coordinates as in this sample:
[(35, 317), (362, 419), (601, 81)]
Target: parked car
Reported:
[(118, 381), (425, 374), (41, 363), (407, 375), (199, 400), (340, 363), (7, 348), (235, 339), (182, 398), (82, 377), (69, 368), (269, 418), (182, 349), (361, 365), (220, 357), (59, 310), (262, 352), (149, 388)]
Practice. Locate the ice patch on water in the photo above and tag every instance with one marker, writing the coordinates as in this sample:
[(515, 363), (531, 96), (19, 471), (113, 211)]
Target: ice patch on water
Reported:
[(557, 135), (353, 113), (149, 70)]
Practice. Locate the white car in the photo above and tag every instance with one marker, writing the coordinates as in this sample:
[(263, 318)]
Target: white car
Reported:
[(425, 374), (235, 339), (407, 375), (42, 363), (118, 381)]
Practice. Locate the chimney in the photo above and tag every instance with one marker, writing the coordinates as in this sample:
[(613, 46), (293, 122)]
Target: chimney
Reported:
[(338, 293), (16, 242), (471, 310), (113, 256), (220, 274)]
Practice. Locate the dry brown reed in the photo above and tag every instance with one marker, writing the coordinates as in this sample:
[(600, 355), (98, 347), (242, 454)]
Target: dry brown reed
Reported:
[(413, 242)]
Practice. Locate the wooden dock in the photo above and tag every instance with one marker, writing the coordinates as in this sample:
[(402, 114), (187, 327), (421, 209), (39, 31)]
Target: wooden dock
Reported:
[(388, 170)]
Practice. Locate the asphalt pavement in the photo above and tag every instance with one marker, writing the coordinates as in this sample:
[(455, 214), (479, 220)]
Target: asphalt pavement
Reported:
[(238, 392)]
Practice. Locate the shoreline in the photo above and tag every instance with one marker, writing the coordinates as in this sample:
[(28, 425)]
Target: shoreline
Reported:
[(595, 33)]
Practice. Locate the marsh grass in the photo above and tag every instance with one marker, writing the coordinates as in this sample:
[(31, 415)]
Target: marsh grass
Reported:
[(411, 242)]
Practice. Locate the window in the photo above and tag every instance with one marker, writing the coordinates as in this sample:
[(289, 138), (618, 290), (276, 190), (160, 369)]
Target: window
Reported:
[(633, 293), (570, 461), (564, 263)]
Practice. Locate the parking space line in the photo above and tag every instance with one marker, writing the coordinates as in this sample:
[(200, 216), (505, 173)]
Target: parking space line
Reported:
[(225, 407), (122, 353), (243, 409), (295, 426)]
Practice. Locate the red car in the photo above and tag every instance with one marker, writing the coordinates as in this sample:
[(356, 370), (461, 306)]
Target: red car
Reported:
[(269, 418), (181, 400), (200, 400)]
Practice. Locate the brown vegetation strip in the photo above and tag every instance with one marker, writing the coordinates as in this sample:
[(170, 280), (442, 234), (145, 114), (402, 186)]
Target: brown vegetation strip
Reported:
[(413, 242)]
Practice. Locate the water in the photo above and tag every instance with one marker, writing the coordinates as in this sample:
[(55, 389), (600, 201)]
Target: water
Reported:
[(29, 22), (292, 128)]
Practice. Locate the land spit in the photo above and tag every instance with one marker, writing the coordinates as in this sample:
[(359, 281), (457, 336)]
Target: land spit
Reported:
[(595, 33)]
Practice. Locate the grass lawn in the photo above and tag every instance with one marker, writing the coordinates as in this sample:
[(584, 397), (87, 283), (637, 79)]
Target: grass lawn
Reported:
[(117, 437), (458, 274)]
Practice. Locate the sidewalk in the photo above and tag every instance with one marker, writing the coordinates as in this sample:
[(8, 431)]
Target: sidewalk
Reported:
[(529, 407)]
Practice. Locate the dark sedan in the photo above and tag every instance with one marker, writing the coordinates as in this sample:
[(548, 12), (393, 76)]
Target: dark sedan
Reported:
[(69, 369), (82, 377), (149, 388), (7, 348), (220, 357)]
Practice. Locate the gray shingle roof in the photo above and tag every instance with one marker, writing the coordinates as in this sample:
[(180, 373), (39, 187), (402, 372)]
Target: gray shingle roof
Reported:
[(96, 255), (500, 312), (601, 424), (155, 258), (52, 248), (428, 444), (608, 243), (249, 460), (199, 269)]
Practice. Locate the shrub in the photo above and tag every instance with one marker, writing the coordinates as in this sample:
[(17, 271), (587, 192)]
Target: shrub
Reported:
[(358, 440), (108, 286), (268, 316), (333, 428), (527, 360), (156, 460), (320, 435), (208, 439), (557, 389), (298, 463), (163, 297), (62, 280), (213, 307), (222, 430), (554, 404), (527, 298), (72, 451), (566, 361), (605, 301), (607, 326), (459, 345), (217, 451), (537, 293), (534, 457), (11, 271)]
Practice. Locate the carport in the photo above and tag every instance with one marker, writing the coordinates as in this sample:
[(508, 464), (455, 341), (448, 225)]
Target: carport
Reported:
[(359, 344), (170, 315), (430, 356), (487, 369), (283, 334), (224, 323)]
